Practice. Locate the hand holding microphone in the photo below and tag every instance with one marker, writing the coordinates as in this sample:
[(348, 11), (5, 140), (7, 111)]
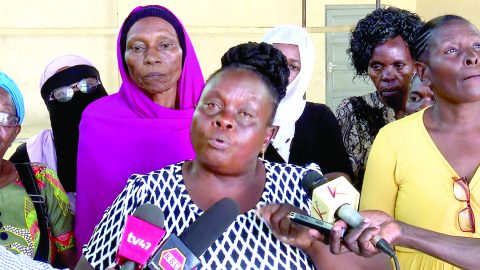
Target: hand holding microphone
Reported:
[(337, 199)]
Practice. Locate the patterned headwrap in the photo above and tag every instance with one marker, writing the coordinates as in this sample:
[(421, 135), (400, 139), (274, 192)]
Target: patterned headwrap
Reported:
[(12, 89)]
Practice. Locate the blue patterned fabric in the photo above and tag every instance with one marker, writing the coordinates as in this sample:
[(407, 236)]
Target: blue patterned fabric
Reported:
[(12, 89), (247, 244)]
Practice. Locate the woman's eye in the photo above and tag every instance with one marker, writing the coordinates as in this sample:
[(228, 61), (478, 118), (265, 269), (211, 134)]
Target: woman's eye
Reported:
[(212, 107), (414, 99), (166, 45), (450, 51), (245, 114), (136, 48), (377, 67), (476, 46), (294, 68)]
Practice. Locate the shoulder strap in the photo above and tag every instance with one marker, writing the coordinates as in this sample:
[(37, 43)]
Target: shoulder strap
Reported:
[(28, 179), (20, 155)]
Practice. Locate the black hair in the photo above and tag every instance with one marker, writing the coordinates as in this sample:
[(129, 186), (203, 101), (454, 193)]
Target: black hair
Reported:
[(376, 28), (151, 11), (265, 61), (422, 43)]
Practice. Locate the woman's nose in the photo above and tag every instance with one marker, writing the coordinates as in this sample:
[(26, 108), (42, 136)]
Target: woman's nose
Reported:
[(471, 57), (224, 121), (152, 56), (387, 74)]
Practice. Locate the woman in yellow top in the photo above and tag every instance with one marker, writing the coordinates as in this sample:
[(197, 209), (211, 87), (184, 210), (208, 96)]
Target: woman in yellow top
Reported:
[(423, 169)]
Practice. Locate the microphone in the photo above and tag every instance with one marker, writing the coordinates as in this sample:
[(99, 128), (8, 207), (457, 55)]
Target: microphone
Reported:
[(337, 199), (143, 231), (183, 252), (332, 199)]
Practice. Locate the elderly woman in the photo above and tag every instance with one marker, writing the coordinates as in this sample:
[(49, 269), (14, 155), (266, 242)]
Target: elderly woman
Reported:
[(231, 126), (68, 84), (308, 132), (420, 96), (424, 169), (381, 48), (145, 126), (35, 218)]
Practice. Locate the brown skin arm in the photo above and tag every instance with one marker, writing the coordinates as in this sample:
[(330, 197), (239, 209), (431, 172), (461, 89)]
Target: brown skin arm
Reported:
[(83, 264), (459, 251), (276, 217)]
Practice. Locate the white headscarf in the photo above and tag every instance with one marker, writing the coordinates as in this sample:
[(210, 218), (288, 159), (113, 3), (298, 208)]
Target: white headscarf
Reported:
[(292, 105), (68, 60)]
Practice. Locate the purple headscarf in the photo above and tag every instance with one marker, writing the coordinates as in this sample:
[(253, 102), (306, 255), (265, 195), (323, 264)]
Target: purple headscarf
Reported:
[(127, 133)]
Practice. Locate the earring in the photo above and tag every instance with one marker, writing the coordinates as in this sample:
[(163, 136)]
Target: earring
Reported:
[(262, 154)]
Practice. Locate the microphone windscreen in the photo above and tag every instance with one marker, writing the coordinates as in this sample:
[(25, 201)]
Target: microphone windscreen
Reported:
[(349, 215), (311, 180), (151, 214), (201, 234)]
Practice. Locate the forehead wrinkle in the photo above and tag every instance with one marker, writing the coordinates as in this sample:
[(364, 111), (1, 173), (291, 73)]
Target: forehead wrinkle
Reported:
[(156, 27), (443, 35)]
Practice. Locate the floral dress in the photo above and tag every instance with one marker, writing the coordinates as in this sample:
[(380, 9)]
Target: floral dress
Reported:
[(360, 119), (19, 230)]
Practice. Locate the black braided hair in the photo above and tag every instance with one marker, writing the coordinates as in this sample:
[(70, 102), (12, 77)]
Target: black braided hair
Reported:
[(265, 61), (376, 28), (422, 43)]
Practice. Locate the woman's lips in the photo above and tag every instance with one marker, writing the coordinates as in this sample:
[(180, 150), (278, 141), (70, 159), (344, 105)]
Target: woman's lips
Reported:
[(390, 93), (476, 76), (218, 143), (154, 74)]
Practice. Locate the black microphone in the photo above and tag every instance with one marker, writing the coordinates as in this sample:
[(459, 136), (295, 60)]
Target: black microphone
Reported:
[(335, 199), (183, 252), (143, 231)]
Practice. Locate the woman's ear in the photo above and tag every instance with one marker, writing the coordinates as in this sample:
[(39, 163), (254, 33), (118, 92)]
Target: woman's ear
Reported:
[(269, 136), (17, 130), (423, 72)]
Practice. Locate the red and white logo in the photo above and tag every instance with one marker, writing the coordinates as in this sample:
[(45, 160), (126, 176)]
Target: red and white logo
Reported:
[(172, 259)]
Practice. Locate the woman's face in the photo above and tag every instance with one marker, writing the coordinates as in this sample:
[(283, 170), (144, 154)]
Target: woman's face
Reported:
[(419, 97), (231, 123), (292, 53), (453, 63), (7, 133), (390, 69), (153, 55)]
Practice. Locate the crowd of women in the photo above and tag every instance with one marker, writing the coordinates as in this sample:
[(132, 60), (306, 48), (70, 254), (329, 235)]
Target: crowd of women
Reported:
[(171, 139)]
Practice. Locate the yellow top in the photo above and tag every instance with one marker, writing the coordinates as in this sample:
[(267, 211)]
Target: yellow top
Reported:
[(408, 178)]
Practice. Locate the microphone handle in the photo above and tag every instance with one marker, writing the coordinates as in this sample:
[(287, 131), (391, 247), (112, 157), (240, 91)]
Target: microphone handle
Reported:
[(354, 219), (349, 215), (128, 265)]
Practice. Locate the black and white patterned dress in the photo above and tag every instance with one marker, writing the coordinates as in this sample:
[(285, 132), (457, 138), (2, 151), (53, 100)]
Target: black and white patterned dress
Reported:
[(247, 244)]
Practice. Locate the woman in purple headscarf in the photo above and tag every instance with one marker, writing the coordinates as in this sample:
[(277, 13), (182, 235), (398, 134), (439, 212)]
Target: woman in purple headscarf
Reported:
[(145, 126)]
